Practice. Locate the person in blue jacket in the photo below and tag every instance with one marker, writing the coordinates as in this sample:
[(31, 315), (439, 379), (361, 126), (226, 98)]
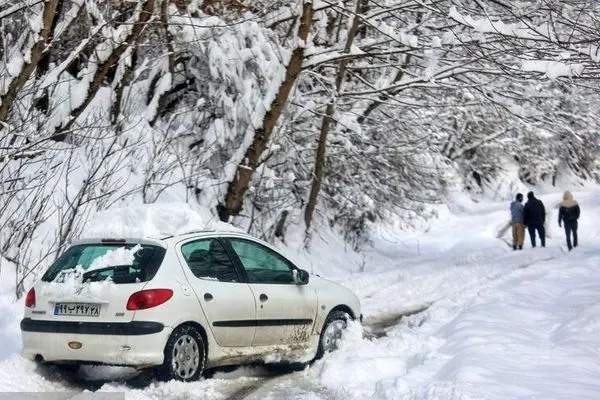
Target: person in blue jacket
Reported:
[(534, 216), (568, 213), (516, 221)]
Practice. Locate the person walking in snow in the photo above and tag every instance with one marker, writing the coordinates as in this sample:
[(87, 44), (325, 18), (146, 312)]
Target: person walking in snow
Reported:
[(568, 212), (516, 220), (534, 216)]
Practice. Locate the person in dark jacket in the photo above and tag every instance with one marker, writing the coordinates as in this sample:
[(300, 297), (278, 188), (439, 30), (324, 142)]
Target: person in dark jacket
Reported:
[(568, 212), (516, 220), (534, 216)]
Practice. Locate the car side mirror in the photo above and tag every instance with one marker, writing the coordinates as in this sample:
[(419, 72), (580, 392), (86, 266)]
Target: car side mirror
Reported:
[(300, 276)]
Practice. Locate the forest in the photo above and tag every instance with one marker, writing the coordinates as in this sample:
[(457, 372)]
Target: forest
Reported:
[(277, 113)]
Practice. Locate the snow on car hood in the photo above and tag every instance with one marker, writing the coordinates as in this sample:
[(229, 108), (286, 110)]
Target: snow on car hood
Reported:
[(153, 220)]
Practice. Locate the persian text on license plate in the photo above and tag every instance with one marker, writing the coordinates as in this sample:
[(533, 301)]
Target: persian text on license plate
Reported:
[(77, 309)]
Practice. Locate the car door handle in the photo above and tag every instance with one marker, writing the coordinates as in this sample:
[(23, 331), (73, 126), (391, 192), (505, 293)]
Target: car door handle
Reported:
[(263, 297), (208, 296)]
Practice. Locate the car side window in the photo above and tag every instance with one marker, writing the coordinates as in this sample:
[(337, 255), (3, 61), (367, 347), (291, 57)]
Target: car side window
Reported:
[(262, 265), (208, 259)]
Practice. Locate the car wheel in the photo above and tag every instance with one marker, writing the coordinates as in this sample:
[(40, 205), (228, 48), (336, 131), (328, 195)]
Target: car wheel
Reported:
[(184, 356), (332, 331)]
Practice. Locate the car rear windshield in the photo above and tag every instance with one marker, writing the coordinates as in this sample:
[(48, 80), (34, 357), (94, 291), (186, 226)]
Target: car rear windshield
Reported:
[(121, 263)]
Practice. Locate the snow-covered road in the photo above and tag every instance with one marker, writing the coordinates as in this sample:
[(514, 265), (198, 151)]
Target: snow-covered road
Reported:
[(464, 317)]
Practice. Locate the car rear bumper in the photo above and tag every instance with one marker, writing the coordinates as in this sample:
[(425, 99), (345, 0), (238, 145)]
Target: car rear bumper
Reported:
[(132, 328), (136, 343)]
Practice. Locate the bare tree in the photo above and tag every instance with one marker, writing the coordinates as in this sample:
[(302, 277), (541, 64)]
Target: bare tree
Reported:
[(327, 119), (40, 41), (239, 185), (107, 65)]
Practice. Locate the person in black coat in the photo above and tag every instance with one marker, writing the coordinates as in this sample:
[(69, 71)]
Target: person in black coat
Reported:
[(568, 213), (534, 216)]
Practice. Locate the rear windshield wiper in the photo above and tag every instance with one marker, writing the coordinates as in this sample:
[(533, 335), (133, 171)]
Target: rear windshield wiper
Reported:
[(96, 273)]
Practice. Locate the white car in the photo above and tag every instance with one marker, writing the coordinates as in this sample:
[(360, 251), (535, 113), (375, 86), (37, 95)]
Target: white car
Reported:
[(181, 304)]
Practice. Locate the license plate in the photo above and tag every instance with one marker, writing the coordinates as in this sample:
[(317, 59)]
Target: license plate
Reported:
[(77, 309)]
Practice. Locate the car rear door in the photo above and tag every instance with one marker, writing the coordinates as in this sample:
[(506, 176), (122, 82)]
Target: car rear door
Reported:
[(285, 311), (227, 302)]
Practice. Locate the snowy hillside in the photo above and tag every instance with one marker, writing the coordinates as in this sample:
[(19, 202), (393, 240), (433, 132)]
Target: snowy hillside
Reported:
[(451, 314)]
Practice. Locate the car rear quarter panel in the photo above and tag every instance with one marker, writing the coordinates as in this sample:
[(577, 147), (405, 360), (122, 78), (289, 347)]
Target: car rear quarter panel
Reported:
[(183, 307)]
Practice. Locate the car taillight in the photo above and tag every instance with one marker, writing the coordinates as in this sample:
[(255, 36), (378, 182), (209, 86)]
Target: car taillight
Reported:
[(148, 298), (30, 298)]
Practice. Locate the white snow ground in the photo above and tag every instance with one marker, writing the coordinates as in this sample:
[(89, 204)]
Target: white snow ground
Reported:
[(490, 323)]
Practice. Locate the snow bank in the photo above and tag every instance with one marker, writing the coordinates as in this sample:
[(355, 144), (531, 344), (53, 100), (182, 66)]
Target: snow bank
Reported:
[(153, 220), (10, 334), (11, 312)]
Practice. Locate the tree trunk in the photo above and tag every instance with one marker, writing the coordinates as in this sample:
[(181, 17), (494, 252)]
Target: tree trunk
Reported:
[(280, 228), (319, 170), (107, 67), (43, 103), (164, 19), (162, 94), (364, 8), (237, 188), (116, 108), (37, 51)]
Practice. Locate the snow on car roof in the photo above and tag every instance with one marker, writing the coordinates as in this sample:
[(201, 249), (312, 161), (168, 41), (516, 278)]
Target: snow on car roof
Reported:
[(153, 221)]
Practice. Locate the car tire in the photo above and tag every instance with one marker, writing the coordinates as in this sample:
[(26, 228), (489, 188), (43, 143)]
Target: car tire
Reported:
[(332, 330), (184, 356)]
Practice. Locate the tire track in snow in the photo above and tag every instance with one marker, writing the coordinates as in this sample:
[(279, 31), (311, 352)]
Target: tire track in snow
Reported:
[(377, 327), (424, 284), (246, 391), (19, 375), (271, 372), (469, 292), (220, 383)]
